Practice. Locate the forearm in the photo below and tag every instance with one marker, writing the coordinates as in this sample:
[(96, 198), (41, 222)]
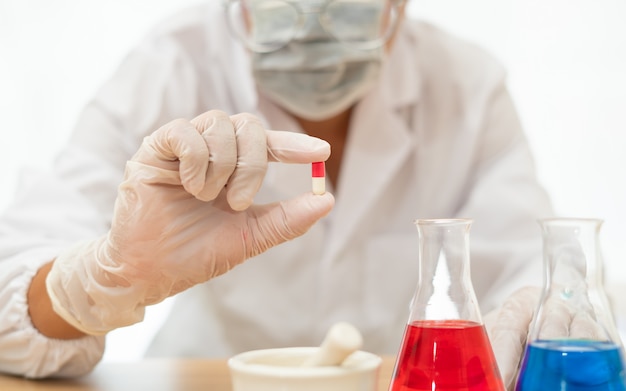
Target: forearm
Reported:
[(41, 312), (24, 348)]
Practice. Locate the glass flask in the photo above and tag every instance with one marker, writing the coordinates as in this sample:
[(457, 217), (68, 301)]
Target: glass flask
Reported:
[(573, 344), (445, 346)]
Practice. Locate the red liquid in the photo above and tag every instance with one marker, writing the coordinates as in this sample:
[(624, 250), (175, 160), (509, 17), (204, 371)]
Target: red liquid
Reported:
[(446, 355)]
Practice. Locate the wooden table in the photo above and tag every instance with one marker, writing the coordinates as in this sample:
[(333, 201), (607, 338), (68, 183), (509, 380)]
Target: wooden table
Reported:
[(154, 375)]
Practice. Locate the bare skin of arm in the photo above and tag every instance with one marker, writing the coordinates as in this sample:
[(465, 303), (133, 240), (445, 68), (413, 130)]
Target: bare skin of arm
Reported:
[(41, 313)]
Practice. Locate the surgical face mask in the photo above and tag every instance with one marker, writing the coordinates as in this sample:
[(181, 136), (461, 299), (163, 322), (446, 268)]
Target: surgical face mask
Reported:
[(316, 58), (316, 80)]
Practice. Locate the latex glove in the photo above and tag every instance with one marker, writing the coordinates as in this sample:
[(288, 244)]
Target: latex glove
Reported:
[(508, 328), (184, 215)]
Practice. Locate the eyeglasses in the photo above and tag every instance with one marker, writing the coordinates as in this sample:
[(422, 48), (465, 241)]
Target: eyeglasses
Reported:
[(268, 25)]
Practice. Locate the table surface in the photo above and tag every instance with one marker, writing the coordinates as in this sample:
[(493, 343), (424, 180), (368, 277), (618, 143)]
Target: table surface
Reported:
[(154, 375)]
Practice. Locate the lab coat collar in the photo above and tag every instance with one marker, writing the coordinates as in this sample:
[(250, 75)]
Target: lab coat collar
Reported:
[(234, 64), (400, 82)]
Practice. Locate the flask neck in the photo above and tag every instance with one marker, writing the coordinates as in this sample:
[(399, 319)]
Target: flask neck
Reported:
[(571, 253), (444, 290)]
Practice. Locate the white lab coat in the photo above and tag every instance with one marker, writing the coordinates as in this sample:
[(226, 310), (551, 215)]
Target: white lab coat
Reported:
[(437, 137)]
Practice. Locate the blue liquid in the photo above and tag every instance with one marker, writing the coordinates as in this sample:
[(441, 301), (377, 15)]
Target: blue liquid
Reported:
[(572, 365)]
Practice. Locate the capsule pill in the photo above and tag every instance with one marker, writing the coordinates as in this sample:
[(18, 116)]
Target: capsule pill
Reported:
[(318, 175)]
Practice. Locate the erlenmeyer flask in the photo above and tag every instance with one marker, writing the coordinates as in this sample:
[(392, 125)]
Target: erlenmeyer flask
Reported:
[(573, 344), (445, 345)]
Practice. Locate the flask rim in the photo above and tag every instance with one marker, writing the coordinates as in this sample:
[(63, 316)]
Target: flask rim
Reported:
[(443, 222), (549, 220)]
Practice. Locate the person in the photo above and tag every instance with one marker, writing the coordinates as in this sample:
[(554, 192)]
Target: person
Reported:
[(173, 177)]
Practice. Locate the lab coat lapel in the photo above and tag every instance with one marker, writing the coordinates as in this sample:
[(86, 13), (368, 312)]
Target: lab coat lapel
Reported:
[(379, 143), (377, 147)]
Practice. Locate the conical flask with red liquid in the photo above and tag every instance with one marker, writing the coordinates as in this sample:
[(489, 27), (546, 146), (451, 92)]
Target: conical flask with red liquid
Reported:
[(573, 344), (445, 346)]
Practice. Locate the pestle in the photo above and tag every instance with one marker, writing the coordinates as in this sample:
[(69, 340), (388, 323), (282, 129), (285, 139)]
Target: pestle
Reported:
[(341, 340)]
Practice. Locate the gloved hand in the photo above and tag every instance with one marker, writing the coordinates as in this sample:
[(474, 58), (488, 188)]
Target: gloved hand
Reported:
[(508, 327), (183, 215)]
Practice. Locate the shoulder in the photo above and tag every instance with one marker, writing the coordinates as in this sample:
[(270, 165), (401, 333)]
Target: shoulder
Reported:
[(194, 32), (446, 58), (194, 19), (190, 47)]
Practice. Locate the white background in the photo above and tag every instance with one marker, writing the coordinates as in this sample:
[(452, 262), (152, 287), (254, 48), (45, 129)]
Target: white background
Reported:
[(566, 61)]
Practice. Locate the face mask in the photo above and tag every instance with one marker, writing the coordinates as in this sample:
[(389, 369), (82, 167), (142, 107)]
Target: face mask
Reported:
[(316, 81), (314, 76)]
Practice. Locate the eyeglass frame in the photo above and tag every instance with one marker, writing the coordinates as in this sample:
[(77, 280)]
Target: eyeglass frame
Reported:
[(319, 9)]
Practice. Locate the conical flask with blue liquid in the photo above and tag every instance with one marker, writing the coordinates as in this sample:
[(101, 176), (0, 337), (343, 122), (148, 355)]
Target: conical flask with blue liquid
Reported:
[(573, 344)]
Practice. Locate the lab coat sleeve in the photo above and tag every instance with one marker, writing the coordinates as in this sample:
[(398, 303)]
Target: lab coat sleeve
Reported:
[(23, 350), (508, 199), (50, 212), (52, 209), (73, 201)]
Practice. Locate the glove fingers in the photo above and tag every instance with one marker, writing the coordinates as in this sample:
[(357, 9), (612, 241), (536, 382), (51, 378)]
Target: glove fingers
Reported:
[(508, 351), (218, 133), (177, 146), (585, 327), (557, 320), (508, 329), (247, 178), (215, 150), (290, 147), (279, 222)]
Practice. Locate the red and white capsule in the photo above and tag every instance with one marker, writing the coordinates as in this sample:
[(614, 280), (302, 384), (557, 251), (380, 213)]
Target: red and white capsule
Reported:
[(318, 176)]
